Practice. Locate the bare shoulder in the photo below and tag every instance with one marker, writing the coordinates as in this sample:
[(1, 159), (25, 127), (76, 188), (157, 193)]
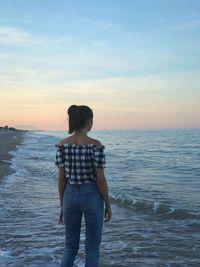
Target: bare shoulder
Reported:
[(96, 142), (72, 140), (64, 141)]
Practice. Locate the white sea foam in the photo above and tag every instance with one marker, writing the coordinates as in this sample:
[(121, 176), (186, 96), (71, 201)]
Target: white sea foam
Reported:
[(5, 253)]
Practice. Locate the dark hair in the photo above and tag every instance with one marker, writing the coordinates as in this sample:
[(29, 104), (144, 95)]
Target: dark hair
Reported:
[(78, 116)]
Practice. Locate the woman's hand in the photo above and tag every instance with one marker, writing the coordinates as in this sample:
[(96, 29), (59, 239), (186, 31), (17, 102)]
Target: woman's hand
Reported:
[(61, 217), (108, 214)]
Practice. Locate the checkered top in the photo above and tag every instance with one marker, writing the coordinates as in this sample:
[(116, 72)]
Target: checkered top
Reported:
[(80, 161)]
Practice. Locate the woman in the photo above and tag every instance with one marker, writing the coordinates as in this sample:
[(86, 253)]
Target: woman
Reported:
[(82, 187)]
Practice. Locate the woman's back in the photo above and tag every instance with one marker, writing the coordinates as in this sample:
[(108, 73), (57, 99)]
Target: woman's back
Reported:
[(80, 161)]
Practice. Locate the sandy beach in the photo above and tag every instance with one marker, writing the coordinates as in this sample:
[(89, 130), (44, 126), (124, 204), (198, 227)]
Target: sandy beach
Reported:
[(8, 142)]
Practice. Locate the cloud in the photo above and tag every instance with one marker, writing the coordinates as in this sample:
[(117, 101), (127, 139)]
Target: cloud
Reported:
[(20, 37), (61, 39), (12, 35), (105, 24), (184, 25)]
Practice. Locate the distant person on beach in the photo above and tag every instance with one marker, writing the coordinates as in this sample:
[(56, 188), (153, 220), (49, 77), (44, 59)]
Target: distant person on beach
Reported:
[(82, 187)]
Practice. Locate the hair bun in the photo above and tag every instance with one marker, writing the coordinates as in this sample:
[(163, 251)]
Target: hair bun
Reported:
[(72, 109)]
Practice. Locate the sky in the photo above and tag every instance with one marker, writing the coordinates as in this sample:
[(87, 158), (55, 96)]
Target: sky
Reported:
[(135, 63)]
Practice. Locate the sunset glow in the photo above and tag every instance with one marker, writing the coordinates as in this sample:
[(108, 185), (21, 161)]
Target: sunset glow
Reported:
[(135, 63)]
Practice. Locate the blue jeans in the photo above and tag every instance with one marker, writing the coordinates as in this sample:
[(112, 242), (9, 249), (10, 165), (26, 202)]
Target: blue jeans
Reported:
[(82, 200)]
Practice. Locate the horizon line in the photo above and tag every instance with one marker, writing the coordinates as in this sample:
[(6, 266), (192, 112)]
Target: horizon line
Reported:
[(119, 129)]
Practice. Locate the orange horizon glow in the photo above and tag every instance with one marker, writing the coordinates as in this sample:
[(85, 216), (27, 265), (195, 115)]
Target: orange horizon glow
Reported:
[(116, 103), (141, 72)]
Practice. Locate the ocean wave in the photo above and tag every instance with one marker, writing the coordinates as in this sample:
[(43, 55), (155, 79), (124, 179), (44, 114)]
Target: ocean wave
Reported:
[(6, 254), (148, 206)]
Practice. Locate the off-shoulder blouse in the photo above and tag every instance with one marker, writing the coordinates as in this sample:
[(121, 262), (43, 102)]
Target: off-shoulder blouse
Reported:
[(80, 161)]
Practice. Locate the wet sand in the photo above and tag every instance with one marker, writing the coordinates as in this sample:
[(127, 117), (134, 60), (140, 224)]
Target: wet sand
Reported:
[(8, 142)]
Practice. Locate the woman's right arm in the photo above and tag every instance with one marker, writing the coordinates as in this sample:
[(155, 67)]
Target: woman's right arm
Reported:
[(103, 188), (62, 182)]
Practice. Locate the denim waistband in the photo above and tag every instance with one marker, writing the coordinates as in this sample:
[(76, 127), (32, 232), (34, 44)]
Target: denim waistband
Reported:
[(83, 188)]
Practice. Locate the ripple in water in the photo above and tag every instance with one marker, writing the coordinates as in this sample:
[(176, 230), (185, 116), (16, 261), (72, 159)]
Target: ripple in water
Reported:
[(153, 223)]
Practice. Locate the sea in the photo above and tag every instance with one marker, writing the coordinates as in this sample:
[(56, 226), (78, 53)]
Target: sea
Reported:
[(154, 184)]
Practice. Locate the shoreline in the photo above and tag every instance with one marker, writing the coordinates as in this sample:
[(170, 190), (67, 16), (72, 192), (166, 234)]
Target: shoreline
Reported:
[(8, 142)]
